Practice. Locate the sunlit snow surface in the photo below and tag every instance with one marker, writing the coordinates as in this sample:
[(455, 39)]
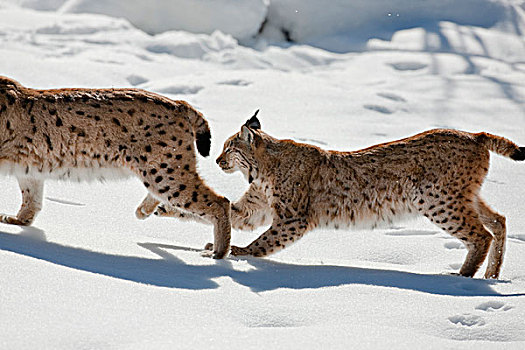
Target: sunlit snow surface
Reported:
[(89, 275)]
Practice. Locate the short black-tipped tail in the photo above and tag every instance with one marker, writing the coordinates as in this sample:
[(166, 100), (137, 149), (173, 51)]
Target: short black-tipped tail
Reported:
[(200, 127), (203, 141), (501, 145), (518, 154)]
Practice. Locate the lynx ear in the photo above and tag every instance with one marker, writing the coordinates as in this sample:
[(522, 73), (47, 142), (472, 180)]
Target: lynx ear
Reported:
[(253, 122), (246, 134)]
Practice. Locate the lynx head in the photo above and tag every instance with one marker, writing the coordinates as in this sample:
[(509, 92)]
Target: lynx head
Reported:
[(239, 152)]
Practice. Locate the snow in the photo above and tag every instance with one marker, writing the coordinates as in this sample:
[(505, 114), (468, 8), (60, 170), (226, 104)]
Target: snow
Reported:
[(239, 18), (313, 22), (90, 275)]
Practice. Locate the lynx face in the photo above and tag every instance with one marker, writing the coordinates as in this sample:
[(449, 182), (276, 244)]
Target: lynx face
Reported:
[(239, 151)]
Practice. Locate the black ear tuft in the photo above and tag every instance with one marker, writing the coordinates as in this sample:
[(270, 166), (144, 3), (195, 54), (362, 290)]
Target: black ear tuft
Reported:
[(253, 122)]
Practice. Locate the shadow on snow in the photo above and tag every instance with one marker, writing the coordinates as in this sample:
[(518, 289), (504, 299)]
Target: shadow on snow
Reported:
[(264, 275)]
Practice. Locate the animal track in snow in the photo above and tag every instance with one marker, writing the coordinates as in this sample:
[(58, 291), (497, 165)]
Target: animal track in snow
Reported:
[(467, 320), (496, 182), (408, 66), (493, 305), (235, 82), (270, 321), (391, 96), (181, 89), (411, 233), (65, 202), (312, 141), (378, 108), (136, 79), (454, 245), (519, 237), (455, 266)]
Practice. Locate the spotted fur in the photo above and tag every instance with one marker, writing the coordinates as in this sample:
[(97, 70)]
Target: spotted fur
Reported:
[(297, 187), (96, 134)]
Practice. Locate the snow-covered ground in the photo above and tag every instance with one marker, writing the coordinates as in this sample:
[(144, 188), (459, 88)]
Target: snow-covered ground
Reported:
[(88, 275)]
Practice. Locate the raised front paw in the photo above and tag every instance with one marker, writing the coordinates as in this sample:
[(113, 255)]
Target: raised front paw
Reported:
[(143, 212), (146, 208)]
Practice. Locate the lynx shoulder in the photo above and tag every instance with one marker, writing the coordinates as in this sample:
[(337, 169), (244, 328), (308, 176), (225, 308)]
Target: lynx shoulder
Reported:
[(437, 174), (90, 134)]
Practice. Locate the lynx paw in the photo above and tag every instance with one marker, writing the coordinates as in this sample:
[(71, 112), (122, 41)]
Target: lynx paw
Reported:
[(142, 212), (146, 208), (210, 253), (207, 254), (236, 251), (12, 220)]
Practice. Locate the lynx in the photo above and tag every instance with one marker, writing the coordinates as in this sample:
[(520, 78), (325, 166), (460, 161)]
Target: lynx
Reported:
[(297, 187), (87, 134)]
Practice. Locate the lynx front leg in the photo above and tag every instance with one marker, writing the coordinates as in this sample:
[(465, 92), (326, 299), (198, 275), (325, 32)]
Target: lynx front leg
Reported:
[(251, 211), (280, 235), (32, 192)]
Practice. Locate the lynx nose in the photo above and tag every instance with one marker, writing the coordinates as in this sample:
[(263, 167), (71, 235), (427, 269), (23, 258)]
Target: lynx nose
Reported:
[(220, 161)]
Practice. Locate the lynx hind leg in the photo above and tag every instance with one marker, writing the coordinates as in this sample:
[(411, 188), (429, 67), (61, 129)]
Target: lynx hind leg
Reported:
[(182, 188), (147, 207), (280, 235), (32, 193), (477, 252), (496, 224), (204, 203), (458, 217)]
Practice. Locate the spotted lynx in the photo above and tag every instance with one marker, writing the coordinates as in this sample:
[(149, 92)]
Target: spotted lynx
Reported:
[(87, 134), (438, 174)]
